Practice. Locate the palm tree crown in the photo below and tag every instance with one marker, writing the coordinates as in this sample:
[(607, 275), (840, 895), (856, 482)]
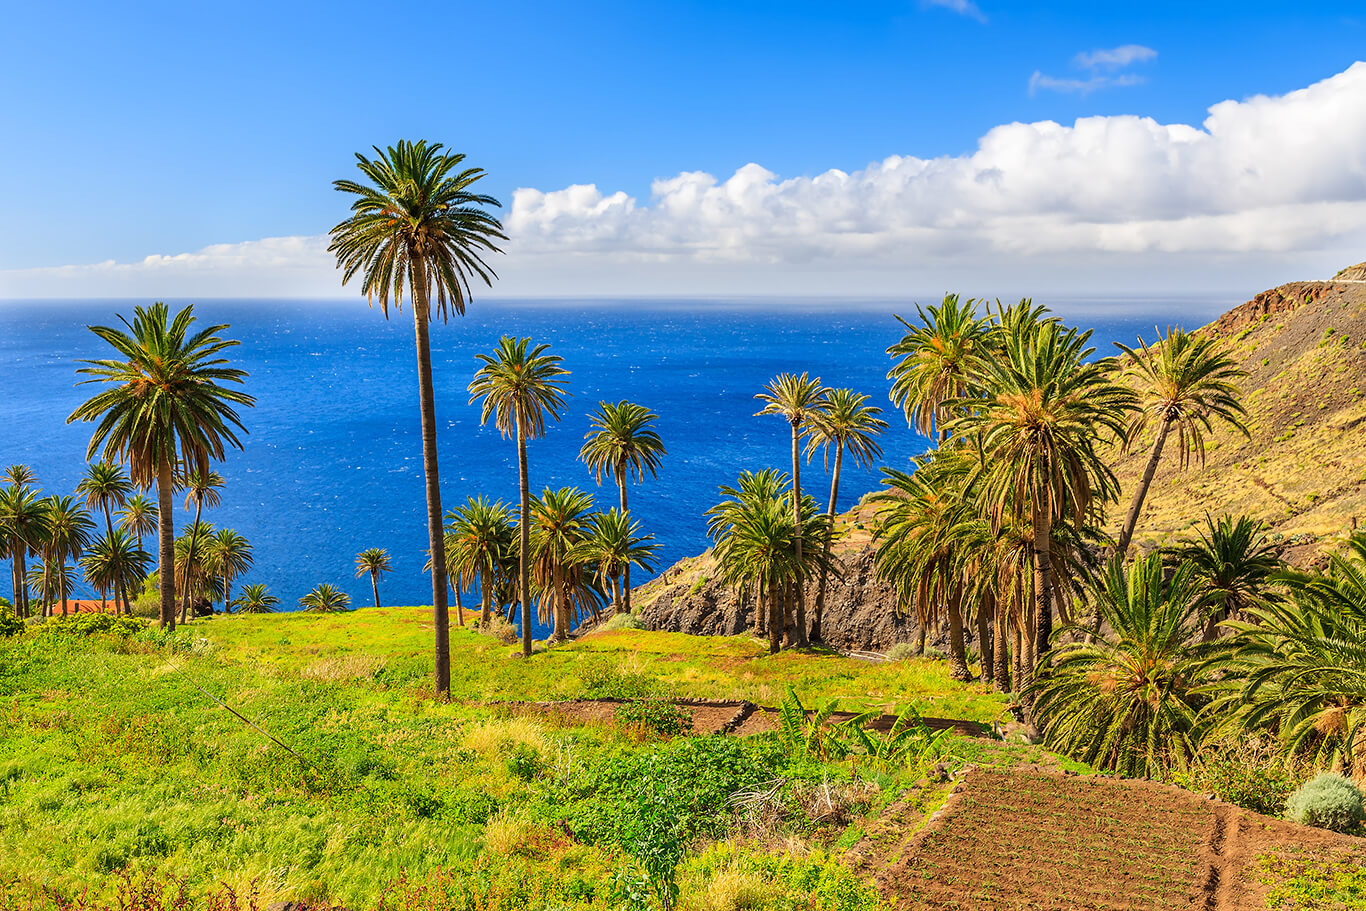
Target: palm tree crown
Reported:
[(374, 562), (255, 599), (936, 360), (520, 385), (325, 599)]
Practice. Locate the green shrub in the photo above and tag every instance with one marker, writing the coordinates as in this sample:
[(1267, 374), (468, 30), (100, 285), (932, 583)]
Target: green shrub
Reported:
[(662, 718), (524, 762), (10, 625), (90, 624), (623, 621), (603, 680), (1329, 801), (902, 651), (1250, 775)]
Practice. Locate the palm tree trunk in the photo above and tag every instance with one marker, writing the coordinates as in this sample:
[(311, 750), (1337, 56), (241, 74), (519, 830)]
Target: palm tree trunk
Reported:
[(802, 640), (829, 539), (374, 586), (1131, 519), (775, 618), (760, 616), (1000, 650), (227, 592), (958, 652), (61, 580), (435, 533), (166, 542), (1043, 577), (189, 558), (986, 610), (524, 542), (119, 593), (626, 581)]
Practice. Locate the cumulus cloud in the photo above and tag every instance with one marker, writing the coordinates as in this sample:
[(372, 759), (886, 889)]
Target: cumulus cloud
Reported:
[(1104, 65), (1262, 183), (961, 7)]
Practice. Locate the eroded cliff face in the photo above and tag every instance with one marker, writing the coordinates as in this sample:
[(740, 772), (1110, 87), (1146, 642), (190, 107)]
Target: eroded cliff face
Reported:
[(860, 612)]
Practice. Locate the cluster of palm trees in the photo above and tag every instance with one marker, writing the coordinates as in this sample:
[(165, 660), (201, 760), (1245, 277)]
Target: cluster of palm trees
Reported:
[(62, 534), (772, 540)]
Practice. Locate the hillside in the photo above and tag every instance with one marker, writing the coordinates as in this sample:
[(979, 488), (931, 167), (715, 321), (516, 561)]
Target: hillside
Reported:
[(1303, 469)]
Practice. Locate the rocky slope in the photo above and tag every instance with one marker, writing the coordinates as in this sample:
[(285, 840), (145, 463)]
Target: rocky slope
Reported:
[(1302, 470)]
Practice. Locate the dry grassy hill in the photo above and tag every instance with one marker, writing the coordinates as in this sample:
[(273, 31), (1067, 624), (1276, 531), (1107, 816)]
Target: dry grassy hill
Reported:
[(1303, 469)]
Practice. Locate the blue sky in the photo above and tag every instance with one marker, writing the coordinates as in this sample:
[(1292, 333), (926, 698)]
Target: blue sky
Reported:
[(160, 129)]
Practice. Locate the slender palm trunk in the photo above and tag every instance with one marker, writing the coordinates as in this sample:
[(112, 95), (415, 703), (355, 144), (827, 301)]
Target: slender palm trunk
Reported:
[(802, 640), (829, 539), (524, 542), (626, 575), (120, 594), (760, 616), (958, 652), (1131, 519), (986, 608), (1017, 651), (1000, 651), (485, 599), (459, 605), (374, 586), (189, 558), (227, 591), (166, 542), (61, 580), (435, 533), (1043, 577), (775, 617)]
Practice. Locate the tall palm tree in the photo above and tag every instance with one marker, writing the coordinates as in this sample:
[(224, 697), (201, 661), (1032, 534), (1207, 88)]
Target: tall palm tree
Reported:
[(201, 489), (375, 562), (105, 486), (1128, 702), (936, 361), (1039, 421), (138, 517), (1235, 562), (53, 581), (520, 385), (325, 599), (229, 556), (621, 442), (560, 524), (23, 526), (194, 570), (417, 227), (798, 399), (255, 599), (68, 528), (614, 544), (478, 542), (752, 490), (115, 563), (1186, 381), (848, 424), (166, 395), (1298, 665)]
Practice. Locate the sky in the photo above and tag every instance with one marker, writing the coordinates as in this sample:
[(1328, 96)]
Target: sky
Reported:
[(695, 148)]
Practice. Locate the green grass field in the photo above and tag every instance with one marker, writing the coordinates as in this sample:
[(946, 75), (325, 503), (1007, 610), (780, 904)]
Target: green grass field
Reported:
[(117, 763)]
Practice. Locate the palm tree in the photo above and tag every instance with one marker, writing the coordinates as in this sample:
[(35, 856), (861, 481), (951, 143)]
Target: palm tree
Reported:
[(1127, 702), (417, 227), (798, 399), (922, 519), (613, 546), (1298, 665), (115, 563), (1038, 422), (1234, 561), (192, 565), (53, 581), (325, 599), (519, 388), (255, 599), (622, 442), (375, 561), (936, 362), (68, 528), (478, 542), (20, 476), (752, 490), (850, 424), (23, 525), (201, 490), (560, 524), (228, 555), (165, 396), (105, 486), (1185, 381), (138, 517)]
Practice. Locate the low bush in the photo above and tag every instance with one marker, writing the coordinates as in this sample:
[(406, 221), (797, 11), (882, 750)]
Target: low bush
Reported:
[(654, 717), (623, 621), (90, 624), (1251, 774), (730, 877), (10, 625), (902, 651), (503, 631), (604, 680), (1328, 801)]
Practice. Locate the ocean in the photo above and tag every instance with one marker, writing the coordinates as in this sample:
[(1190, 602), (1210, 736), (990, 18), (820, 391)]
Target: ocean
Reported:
[(332, 463)]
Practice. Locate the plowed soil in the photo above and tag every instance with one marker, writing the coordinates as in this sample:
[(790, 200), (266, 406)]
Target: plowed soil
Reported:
[(1013, 838)]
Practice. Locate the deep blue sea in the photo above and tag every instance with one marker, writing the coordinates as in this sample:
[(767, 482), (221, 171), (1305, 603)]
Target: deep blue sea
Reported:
[(332, 463)]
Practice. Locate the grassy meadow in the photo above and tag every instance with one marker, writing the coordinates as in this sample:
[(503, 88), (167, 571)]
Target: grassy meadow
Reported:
[(116, 763)]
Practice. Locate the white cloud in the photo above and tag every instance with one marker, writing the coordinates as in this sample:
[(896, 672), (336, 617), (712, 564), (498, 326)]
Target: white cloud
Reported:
[(961, 7), (1115, 58), (1080, 86), (1264, 187)]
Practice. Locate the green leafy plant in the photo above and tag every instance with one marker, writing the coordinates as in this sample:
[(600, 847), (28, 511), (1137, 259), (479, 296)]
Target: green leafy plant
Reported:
[(662, 718), (909, 744), (1328, 801), (803, 731), (10, 625)]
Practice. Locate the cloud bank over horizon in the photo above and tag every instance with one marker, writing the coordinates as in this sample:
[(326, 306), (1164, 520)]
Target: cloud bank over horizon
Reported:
[(1261, 186)]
